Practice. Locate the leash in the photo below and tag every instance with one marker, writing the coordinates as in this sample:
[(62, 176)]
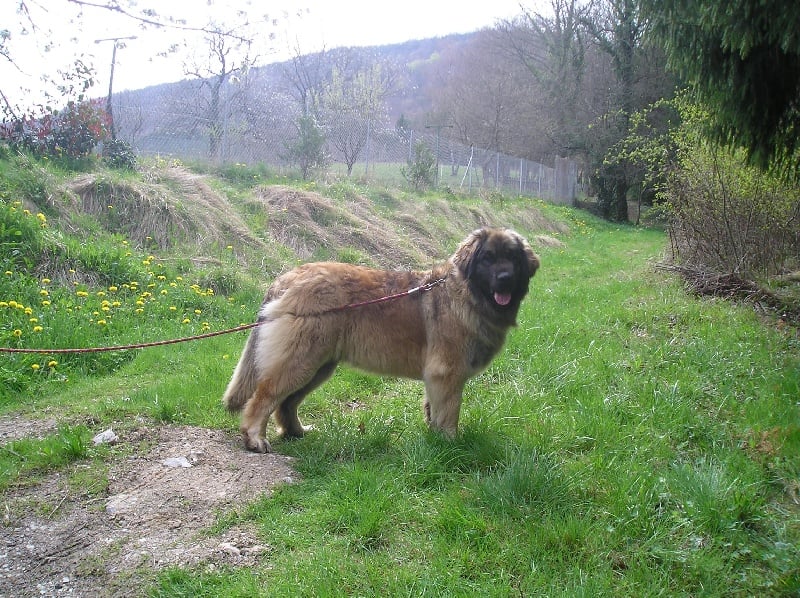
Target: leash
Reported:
[(420, 289)]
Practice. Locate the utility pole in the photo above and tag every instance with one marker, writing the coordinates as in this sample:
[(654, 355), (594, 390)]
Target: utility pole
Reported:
[(438, 133), (116, 41)]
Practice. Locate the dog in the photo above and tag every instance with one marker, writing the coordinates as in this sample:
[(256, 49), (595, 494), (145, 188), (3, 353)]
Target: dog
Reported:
[(442, 326)]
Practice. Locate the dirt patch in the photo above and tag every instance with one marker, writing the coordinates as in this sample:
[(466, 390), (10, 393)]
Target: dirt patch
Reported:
[(59, 541)]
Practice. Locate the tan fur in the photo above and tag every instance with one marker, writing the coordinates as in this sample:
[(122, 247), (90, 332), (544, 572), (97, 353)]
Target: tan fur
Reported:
[(443, 336)]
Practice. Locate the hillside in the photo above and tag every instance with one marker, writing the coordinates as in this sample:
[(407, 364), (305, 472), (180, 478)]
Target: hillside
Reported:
[(629, 438), (174, 210)]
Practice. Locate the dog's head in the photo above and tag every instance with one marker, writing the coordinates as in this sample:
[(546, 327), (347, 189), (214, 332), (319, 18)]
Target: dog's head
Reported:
[(498, 265)]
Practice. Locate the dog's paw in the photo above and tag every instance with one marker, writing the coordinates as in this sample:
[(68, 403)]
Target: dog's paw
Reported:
[(257, 445)]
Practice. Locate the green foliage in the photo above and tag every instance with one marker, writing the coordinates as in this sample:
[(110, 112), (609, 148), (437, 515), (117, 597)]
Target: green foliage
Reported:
[(727, 216), (619, 444), (70, 134), (243, 175), (742, 57), (119, 154), (648, 149), (420, 172), (21, 459), (308, 150), (21, 240)]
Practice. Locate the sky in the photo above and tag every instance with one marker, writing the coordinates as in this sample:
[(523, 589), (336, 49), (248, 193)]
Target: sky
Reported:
[(52, 33)]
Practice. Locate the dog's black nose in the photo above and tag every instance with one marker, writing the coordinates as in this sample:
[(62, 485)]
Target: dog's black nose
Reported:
[(503, 276)]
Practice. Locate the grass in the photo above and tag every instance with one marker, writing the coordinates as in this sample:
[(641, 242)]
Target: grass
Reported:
[(630, 439)]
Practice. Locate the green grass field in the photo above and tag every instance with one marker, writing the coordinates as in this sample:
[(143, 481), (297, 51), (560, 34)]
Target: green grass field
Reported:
[(629, 440)]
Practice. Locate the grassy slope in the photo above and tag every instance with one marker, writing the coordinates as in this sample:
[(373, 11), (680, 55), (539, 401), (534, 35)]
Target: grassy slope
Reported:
[(629, 439)]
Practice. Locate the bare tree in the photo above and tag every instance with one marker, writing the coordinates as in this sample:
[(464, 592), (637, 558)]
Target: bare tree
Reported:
[(227, 60), (353, 106)]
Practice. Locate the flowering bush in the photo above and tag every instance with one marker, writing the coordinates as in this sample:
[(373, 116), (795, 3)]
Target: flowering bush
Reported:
[(72, 132)]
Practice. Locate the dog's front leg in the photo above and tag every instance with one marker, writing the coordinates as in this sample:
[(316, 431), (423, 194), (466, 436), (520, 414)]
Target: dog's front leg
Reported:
[(442, 404)]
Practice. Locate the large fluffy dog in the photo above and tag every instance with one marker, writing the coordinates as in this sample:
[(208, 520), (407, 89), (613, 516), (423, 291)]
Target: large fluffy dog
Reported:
[(444, 332)]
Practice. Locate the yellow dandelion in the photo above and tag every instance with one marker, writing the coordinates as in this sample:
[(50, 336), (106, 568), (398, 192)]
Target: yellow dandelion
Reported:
[(173, 308), (33, 320), (198, 311), (185, 321), (52, 363), (45, 303), (139, 310), (17, 332), (113, 288), (9, 273), (45, 281), (101, 322), (37, 328), (35, 366), (44, 293)]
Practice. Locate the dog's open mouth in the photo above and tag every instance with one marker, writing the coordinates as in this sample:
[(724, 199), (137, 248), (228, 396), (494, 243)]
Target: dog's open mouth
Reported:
[(502, 298)]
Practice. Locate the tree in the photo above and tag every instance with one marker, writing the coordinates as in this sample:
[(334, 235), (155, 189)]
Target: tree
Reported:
[(353, 106), (421, 170), (308, 150), (553, 51), (742, 58), (483, 95), (228, 57)]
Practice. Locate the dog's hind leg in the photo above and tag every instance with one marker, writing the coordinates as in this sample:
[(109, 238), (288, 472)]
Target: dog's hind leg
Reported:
[(256, 416), (284, 381), (286, 414)]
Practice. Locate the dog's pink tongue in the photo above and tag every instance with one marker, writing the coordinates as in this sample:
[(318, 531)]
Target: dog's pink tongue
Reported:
[(502, 298)]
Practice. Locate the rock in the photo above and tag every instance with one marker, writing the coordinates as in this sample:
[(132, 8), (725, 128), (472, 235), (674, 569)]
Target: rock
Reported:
[(105, 437), (229, 548), (176, 462)]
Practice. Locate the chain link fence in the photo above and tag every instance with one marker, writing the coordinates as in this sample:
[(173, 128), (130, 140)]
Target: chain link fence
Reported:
[(374, 152)]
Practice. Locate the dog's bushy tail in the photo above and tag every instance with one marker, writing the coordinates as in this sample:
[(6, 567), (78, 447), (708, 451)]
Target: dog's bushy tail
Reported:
[(245, 379)]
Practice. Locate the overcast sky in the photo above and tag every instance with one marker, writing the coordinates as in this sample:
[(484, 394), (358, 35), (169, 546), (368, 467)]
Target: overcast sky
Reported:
[(58, 31)]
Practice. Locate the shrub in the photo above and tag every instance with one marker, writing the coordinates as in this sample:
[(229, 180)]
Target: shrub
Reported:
[(726, 216), (421, 171), (70, 133), (119, 154)]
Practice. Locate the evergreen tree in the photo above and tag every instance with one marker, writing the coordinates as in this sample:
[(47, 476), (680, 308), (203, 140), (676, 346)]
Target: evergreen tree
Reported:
[(742, 57)]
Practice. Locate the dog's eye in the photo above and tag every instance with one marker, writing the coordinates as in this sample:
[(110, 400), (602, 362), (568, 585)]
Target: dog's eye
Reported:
[(487, 257)]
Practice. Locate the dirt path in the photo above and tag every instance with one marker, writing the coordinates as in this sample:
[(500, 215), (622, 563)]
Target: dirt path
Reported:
[(57, 542)]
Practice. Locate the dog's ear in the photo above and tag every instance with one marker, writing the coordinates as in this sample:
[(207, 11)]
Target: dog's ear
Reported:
[(467, 252), (531, 258)]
